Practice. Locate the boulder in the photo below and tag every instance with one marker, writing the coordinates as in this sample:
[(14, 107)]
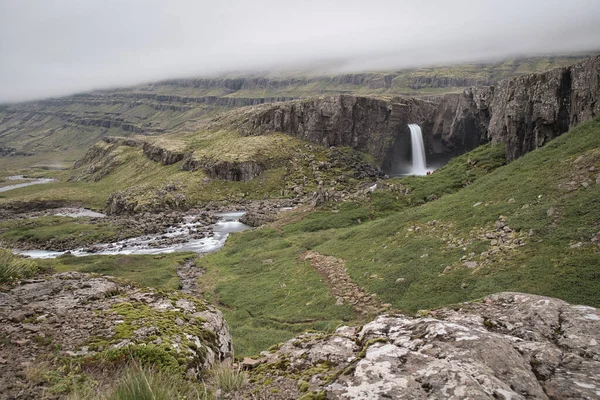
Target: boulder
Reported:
[(508, 346)]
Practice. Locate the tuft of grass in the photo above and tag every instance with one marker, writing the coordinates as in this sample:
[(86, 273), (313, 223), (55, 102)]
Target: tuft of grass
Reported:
[(13, 267), (147, 384), (157, 271), (142, 383), (228, 378)]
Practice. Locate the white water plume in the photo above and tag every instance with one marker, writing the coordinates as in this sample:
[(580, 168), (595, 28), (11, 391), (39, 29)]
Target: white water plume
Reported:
[(418, 151)]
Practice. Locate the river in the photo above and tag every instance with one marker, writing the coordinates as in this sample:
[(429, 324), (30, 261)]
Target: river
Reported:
[(147, 244), (31, 181)]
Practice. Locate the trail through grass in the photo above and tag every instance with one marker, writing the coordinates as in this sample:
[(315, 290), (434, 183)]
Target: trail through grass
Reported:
[(418, 251)]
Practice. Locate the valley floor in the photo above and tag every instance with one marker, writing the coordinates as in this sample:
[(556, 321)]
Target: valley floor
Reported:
[(474, 227)]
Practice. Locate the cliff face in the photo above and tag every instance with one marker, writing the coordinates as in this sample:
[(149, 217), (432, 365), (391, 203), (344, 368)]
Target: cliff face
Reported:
[(528, 111), (461, 120), (524, 112), (366, 124)]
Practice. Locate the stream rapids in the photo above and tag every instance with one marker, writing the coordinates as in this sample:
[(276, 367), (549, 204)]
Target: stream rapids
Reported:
[(185, 233)]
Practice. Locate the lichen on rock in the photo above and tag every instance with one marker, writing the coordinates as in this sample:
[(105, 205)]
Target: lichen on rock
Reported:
[(93, 320), (509, 346)]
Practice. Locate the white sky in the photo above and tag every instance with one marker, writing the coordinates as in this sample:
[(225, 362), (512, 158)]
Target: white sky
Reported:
[(57, 47)]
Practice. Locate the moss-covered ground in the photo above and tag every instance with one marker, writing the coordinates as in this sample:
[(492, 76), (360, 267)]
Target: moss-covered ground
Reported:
[(77, 231), (287, 161)]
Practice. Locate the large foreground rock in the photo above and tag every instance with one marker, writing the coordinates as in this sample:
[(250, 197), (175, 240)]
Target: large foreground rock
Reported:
[(510, 346), (86, 318)]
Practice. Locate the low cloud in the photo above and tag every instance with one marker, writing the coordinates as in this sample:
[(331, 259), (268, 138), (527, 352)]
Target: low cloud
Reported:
[(51, 48)]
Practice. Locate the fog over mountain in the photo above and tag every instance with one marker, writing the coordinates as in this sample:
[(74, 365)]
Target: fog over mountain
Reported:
[(64, 46)]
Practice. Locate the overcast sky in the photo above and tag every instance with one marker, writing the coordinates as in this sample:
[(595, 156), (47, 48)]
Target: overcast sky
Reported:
[(57, 47)]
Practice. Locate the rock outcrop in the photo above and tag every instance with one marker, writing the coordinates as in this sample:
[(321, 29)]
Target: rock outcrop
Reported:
[(87, 318), (509, 346), (161, 154), (227, 170), (528, 111)]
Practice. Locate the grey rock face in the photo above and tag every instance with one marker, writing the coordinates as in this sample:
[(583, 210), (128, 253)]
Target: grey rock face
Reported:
[(461, 120), (159, 154), (231, 171), (510, 346), (363, 123), (524, 112)]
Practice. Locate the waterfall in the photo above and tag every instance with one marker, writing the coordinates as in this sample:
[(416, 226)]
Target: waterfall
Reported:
[(418, 151)]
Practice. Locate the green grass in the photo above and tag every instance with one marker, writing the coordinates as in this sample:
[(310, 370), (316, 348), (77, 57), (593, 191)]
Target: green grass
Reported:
[(77, 231), (145, 384), (135, 382), (401, 241), (157, 271), (228, 378), (266, 294)]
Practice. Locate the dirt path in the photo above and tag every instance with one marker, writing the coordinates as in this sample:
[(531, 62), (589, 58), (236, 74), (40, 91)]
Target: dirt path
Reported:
[(188, 275), (341, 286)]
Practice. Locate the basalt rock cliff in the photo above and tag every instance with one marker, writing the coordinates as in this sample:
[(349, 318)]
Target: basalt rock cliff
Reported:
[(367, 124), (528, 111), (524, 112)]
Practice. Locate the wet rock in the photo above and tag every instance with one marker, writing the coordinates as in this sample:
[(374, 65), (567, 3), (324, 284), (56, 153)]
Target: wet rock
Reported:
[(258, 218)]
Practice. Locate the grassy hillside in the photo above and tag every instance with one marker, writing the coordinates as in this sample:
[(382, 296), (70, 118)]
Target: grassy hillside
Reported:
[(472, 228), (413, 81), (111, 168)]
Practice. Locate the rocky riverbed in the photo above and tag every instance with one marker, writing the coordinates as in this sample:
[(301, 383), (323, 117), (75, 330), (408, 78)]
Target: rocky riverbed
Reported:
[(198, 230), (201, 232)]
